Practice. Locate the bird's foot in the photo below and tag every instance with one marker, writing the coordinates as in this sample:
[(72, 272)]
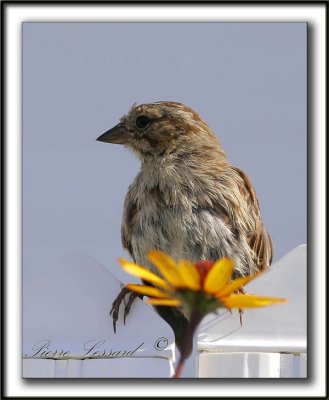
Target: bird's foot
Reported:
[(116, 305), (241, 310), (131, 299)]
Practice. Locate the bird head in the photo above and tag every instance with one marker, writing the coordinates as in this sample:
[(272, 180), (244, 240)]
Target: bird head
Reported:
[(160, 128)]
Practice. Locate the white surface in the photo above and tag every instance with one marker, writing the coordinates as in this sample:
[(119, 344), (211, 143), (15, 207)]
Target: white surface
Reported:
[(272, 342), (252, 365), (279, 328), (66, 317), (68, 332), (103, 368), (239, 365)]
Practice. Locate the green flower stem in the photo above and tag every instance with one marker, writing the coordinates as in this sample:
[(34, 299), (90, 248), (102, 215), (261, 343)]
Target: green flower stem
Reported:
[(188, 341)]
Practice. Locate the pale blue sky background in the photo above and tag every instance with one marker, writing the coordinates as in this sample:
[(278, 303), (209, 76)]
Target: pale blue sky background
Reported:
[(248, 81)]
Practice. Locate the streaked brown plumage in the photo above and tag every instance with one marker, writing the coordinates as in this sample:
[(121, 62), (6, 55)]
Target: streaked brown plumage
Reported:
[(187, 199)]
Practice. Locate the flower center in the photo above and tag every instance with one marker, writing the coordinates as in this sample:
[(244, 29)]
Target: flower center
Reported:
[(203, 267)]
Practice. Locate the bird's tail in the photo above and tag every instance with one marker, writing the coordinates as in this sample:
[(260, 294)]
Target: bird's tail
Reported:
[(178, 323)]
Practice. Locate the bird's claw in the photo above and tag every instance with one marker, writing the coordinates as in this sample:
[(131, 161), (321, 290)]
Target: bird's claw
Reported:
[(241, 311), (114, 312), (131, 299)]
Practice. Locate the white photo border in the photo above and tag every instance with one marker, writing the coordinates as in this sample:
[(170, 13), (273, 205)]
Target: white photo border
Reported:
[(315, 14)]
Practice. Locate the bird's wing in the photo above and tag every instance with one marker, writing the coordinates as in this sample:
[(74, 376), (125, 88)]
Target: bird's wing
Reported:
[(130, 218), (257, 236)]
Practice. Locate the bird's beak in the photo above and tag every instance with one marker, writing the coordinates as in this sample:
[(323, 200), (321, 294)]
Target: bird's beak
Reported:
[(117, 135)]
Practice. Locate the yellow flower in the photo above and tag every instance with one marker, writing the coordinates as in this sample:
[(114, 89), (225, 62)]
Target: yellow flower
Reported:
[(202, 287)]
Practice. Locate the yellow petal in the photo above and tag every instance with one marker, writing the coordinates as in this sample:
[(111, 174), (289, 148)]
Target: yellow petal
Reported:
[(147, 290), (190, 274), (142, 273), (235, 285), (164, 302), (250, 301), (167, 266), (218, 276)]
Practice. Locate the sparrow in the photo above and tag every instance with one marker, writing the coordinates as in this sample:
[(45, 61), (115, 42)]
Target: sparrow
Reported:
[(187, 200)]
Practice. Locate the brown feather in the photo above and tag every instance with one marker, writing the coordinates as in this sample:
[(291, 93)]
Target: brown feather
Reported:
[(187, 199), (259, 240)]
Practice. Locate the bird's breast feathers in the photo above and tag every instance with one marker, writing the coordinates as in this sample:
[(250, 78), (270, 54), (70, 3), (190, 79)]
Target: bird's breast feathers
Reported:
[(179, 224)]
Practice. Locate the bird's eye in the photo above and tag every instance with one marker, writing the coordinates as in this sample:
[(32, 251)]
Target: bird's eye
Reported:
[(142, 121)]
